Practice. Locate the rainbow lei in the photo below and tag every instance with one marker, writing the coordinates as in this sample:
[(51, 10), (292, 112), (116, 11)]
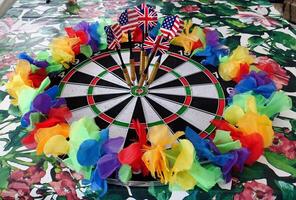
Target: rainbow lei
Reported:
[(239, 139)]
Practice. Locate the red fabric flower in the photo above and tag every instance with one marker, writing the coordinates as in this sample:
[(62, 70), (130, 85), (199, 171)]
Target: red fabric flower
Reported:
[(37, 77), (253, 142), (83, 36), (255, 190), (65, 185), (283, 145), (55, 116), (132, 155), (274, 71), (243, 70)]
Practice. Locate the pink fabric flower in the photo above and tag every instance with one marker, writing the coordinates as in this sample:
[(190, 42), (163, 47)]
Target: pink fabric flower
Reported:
[(255, 190), (250, 17), (277, 73), (190, 8), (65, 185), (284, 146)]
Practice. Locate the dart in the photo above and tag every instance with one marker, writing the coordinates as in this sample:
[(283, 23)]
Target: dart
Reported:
[(154, 71), (160, 45), (129, 21), (114, 34)]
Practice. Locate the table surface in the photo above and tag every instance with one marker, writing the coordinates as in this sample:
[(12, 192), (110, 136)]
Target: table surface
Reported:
[(30, 25)]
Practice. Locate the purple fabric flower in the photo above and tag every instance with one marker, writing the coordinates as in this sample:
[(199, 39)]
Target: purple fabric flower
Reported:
[(109, 162), (257, 82), (214, 49), (207, 150), (43, 103)]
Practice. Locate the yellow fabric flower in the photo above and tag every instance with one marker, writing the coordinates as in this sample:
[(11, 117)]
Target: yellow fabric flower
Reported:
[(155, 157), (254, 123), (61, 49), (179, 174), (242, 103), (188, 39), (19, 80), (47, 142), (230, 66)]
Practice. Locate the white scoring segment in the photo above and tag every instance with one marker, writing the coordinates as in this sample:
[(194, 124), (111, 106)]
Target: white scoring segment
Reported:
[(197, 118), (125, 116), (180, 91), (101, 90), (127, 112), (92, 69), (73, 90), (187, 68), (164, 79), (204, 90), (149, 113), (114, 79), (170, 105), (80, 112), (108, 104)]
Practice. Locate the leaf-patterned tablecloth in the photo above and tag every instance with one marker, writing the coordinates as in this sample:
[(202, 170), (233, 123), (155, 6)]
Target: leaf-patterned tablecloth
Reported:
[(29, 26)]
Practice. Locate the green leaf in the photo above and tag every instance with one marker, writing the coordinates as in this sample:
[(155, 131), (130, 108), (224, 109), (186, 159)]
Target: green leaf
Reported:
[(14, 110), (235, 23), (281, 162), (4, 174), (288, 190), (283, 38), (232, 42), (255, 41), (3, 115), (2, 95)]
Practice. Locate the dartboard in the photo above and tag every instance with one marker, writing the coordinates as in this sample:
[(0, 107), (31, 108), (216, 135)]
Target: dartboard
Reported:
[(184, 93)]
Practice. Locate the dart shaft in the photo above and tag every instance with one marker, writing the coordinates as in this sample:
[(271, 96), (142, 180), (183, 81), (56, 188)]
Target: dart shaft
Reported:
[(154, 72), (127, 77), (142, 79), (142, 61), (124, 69), (133, 70)]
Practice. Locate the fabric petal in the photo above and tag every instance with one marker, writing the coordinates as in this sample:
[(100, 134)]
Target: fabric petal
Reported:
[(88, 153), (107, 164), (56, 145)]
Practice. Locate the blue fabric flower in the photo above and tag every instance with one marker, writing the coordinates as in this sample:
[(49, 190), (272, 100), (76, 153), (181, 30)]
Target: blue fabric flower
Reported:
[(257, 82), (214, 50), (37, 63), (206, 150)]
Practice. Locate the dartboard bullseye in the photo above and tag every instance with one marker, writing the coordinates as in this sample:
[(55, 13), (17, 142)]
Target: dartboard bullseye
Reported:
[(184, 93)]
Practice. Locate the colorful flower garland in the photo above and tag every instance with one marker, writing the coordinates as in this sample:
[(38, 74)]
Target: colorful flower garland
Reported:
[(239, 139)]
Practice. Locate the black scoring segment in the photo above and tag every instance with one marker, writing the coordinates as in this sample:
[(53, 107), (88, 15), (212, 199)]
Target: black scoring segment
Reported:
[(79, 77), (206, 104), (113, 112), (76, 102)]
